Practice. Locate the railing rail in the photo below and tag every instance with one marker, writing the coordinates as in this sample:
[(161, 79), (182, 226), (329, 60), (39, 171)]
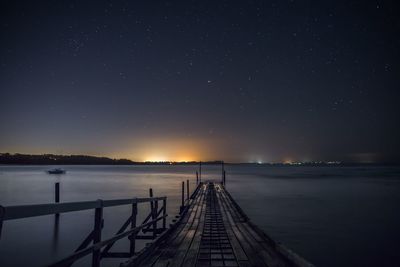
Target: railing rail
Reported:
[(93, 242), (97, 246), (25, 211)]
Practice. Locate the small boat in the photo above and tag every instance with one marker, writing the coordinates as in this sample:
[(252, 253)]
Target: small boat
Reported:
[(56, 171)]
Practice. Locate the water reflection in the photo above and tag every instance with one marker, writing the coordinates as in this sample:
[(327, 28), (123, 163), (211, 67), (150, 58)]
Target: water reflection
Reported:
[(314, 211), (55, 232)]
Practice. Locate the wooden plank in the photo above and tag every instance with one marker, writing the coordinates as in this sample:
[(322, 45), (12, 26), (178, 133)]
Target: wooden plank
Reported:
[(185, 245), (215, 224), (240, 255), (252, 240), (215, 247), (191, 256), (170, 238), (182, 249), (252, 255), (169, 252)]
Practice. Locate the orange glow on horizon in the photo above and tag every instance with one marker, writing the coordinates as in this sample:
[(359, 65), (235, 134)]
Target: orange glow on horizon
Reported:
[(163, 158), (167, 150)]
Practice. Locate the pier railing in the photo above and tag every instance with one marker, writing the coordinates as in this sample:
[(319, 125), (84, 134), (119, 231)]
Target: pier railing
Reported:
[(93, 243)]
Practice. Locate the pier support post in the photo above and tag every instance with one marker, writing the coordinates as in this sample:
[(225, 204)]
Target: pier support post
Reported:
[(98, 221), (197, 177), (2, 211), (200, 171), (132, 238), (183, 197), (57, 195), (224, 179), (57, 192), (155, 211), (164, 221), (222, 171), (187, 190), (151, 202)]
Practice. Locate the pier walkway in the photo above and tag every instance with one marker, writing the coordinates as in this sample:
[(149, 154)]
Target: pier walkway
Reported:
[(214, 231), (211, 230)]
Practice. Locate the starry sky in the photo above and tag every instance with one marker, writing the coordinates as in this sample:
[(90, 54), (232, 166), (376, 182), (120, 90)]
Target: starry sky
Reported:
[(242, 81)]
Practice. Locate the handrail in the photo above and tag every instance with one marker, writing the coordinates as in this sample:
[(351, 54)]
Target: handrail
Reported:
[(97, 246), (25, 211), (93, 243)]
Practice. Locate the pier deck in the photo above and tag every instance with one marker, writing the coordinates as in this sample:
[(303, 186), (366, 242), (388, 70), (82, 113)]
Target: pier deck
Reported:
[(214, 231)]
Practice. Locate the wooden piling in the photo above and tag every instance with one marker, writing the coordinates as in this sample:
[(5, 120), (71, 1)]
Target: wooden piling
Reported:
[(2, 211), (98, 221), (224, 178), (183, 197), (57, 192), (222, 171), (132, 239), (200, 171), (155, 210), (151, 202), (57, 195), (164, 221), (187, 190)]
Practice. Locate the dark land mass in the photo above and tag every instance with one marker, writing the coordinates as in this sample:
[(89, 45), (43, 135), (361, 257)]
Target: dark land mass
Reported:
[(51, 159)]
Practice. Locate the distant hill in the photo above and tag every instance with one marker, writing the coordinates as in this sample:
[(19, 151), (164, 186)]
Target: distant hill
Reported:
[(51, 159)]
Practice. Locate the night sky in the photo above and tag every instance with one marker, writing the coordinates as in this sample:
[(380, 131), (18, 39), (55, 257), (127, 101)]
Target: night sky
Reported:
[(242, 81)]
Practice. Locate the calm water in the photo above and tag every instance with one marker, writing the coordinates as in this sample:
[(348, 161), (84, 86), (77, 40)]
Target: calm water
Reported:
[(332, 216)]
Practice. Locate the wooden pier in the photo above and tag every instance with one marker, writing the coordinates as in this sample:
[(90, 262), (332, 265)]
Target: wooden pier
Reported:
[(214, 231), (211, 230)]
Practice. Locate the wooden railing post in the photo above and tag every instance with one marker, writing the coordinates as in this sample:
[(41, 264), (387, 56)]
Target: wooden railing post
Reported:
[(151, 202), (57, 192), (187, 190), (222, 171), (183, 197), (224, 180), (197, 178), (200, 171), (164, 222), (132, 239), (98, 221), (57, 195), (155, 211), (2, 211)]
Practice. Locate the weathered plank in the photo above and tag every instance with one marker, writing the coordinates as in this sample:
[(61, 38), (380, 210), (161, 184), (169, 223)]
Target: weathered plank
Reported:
[(250, 240), (214, 231), (150, 255), (170, 252), (166, 252), (193, 250)]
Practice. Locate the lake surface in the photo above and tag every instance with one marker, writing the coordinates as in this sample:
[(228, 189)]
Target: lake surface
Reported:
[(332, 216)]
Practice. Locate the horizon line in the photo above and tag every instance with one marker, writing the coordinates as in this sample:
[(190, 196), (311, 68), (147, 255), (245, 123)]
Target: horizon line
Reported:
[(298, 163)]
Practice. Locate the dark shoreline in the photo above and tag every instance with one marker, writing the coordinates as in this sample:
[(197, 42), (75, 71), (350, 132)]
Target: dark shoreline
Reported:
[(40, 160), (51, 159)]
